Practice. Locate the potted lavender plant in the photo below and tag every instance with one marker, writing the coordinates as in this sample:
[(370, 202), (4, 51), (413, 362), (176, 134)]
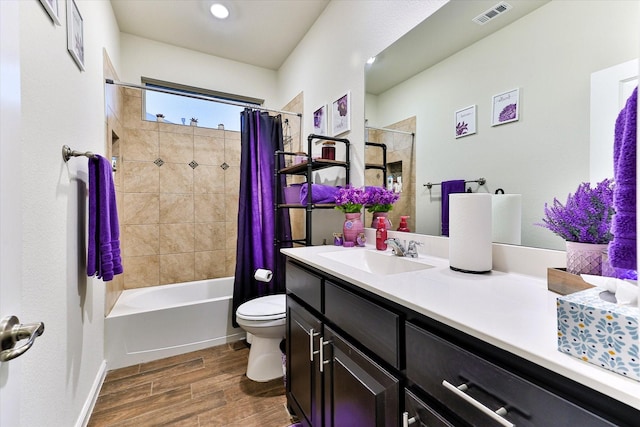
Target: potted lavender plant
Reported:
[(350, 200), (584, 222), (380, 203)]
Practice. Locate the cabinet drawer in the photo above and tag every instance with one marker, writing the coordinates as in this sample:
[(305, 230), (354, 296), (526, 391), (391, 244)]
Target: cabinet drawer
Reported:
[(305, 285), (421, 413), (373, 326), (459, 379)]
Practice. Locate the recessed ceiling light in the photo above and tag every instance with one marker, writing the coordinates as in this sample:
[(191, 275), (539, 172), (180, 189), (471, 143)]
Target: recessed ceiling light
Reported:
[(219, 11), (371, 60)]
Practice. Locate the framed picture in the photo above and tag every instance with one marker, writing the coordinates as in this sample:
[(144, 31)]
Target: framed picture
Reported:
[(506, 107), (53, 9), (75, 33), (465, 121), (320, 121), (341, 115)]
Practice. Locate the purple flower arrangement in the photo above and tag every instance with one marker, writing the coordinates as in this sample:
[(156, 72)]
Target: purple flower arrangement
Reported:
[(350, 199), (585, 217), (380, 199)]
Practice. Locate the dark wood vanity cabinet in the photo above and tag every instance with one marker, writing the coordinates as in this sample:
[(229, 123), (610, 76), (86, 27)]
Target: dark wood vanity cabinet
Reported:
[(330, 382), (356, 359)]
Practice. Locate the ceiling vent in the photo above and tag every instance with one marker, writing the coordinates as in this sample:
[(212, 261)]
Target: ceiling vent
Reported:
[(492, 13)]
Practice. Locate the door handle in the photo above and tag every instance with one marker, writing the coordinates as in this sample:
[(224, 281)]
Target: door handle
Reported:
[(406, 421), (12, 331), (496, 415), (321, 349)]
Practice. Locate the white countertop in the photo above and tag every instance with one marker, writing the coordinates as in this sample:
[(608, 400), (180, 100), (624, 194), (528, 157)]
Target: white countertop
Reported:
[(511, 311)]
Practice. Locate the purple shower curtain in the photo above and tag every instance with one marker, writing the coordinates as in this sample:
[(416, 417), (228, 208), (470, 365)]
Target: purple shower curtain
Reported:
[(261, 136)]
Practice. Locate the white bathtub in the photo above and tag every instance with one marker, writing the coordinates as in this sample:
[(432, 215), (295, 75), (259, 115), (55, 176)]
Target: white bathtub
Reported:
[(152, 323)]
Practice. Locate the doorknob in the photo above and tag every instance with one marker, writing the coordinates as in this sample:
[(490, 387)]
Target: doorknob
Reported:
[(11, 331)]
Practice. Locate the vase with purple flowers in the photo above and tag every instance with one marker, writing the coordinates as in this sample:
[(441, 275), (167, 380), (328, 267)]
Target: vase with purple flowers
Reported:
[(584, 222), (380, 202), (350, 201)]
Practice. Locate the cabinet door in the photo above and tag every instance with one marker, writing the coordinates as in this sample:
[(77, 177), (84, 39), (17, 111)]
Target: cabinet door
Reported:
[(304, 387), (357, 391), (419, 414)]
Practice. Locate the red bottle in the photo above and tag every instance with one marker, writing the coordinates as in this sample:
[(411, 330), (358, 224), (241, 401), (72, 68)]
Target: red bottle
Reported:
[(403, 224), (381, 235)]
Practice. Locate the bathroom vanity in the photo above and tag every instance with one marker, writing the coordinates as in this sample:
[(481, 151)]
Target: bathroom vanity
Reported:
[(377, 340)]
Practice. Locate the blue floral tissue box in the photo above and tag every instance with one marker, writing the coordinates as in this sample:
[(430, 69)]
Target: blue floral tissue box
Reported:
[(599, 332)]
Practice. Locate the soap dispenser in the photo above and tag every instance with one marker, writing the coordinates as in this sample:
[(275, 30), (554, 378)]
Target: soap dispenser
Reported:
[(381, 235), (403, 224)]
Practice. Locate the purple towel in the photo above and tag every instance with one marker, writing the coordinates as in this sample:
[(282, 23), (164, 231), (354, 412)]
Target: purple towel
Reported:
[(319, 193), (622, 249), (449, 187), (103, 251)]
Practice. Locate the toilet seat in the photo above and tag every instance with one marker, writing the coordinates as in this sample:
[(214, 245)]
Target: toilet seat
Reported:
[(270, 307)]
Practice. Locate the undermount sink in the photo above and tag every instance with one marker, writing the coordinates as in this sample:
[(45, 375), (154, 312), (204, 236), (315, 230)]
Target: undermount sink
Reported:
[(380, 263)]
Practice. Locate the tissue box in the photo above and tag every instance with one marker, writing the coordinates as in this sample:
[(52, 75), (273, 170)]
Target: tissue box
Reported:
[(599, 332)]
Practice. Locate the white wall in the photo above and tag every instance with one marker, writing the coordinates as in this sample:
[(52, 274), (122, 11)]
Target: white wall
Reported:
[(330, 61), (142, 57), (60, 105), (550, 55)]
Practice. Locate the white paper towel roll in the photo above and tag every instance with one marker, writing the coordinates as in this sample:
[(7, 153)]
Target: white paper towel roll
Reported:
[(263, 275), (506, 214), (470, 247)]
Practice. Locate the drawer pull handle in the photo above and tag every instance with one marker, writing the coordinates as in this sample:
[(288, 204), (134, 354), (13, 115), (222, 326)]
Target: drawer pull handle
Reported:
[(322, 361), (312, 334), (406, 421), (460, 392)]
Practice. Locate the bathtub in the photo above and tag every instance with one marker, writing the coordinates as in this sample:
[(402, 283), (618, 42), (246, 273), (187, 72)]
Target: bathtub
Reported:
[(157, 322)]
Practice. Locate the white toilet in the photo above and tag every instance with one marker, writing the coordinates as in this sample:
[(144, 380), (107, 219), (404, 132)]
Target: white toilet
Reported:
[(264, 318)]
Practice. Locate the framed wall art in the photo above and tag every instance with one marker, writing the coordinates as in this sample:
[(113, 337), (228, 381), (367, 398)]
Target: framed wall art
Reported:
[(506, 107), (53, 9), (320, 121), (75, 33), (465, 121), (341, 115)]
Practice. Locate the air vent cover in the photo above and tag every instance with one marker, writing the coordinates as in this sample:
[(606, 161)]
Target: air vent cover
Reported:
[(489, 14)]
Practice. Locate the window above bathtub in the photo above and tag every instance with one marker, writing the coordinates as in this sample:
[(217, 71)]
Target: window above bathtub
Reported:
[(181, 108)]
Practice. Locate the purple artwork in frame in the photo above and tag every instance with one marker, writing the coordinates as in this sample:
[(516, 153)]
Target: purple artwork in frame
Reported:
[(506, 107), (465, 121)]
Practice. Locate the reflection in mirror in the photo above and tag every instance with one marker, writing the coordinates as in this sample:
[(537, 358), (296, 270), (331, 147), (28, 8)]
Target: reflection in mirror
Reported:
[(549, 52), (390, 163)]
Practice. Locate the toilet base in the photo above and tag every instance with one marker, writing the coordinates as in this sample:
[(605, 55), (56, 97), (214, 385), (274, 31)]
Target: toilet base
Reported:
[(265, 359)]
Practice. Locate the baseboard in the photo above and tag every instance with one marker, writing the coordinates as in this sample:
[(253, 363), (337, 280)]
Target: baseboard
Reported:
[(87, 408)]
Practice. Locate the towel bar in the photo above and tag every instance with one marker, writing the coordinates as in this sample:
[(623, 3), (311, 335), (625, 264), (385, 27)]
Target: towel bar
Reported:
[(68, 153), (481, 181)]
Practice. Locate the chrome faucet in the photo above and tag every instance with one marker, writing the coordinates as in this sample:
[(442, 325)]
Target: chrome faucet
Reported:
[(396, 246), (412, 250)]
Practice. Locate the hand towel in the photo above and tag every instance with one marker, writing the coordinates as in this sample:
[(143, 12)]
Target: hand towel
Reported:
[(449, 187), (103, 251), (622, 249), (319, 193)]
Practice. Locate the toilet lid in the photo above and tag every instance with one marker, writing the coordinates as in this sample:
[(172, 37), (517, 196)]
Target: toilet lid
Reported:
[(264, 308)]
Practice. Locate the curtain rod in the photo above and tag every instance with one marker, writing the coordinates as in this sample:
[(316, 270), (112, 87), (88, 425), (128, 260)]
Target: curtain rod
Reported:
[(205, 98), (390, 130)]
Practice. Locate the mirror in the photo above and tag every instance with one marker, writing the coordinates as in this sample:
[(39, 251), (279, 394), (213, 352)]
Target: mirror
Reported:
[(546, 50)]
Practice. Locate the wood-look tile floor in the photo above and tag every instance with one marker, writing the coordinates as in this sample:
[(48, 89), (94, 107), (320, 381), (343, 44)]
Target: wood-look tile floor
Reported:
[(204, 388)]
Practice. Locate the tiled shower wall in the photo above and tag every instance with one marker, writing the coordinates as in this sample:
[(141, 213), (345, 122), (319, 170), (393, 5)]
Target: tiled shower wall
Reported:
[(400, 148), (178, 216)]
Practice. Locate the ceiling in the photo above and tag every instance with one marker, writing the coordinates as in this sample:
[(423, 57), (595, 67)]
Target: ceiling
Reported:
[(449, 30), (261, 33)]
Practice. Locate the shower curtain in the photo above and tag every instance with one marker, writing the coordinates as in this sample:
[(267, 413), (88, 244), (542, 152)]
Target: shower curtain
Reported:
[(261, 136)]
